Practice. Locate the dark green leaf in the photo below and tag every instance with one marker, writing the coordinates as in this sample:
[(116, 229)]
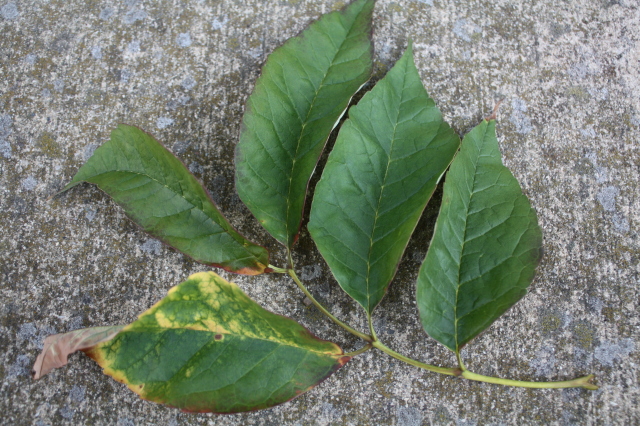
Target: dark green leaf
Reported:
[(158, 193), (383, 169), (485, 248), (207, 347), (304, 89)]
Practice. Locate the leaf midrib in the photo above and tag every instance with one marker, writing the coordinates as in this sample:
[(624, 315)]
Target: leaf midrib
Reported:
[(306, 121), (147, 329), (384, 180), (464, 236), (224, 230)]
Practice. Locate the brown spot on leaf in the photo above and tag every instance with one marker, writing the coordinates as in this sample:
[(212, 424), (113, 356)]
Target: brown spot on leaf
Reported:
[(343, 360)]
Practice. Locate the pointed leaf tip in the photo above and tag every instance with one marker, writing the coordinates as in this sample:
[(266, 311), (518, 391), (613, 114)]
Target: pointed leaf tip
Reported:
[(304, 89), (485, 248), (58, 347), (385, 165), (160, 194)]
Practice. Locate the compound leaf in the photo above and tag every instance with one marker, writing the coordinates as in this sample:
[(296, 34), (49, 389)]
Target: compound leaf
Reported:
[(207, 347), (304, 89), (159, 193), (485, 248), (384, 167)]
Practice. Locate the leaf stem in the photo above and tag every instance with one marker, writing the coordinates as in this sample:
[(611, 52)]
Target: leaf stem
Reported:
[(359, 351), (278, 270), (460, 362), (442, 370), (324, 310), (371, 329), (461, 371), (379, 345), (581, 382)]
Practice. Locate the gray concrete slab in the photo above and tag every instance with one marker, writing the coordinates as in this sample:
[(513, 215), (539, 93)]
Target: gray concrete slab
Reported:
[(569, 74)]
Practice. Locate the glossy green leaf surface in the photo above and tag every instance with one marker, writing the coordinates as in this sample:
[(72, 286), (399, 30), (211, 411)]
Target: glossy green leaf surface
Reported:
[(207, 347), (304, 89), (384, 167), (159, 193), (485, 247)]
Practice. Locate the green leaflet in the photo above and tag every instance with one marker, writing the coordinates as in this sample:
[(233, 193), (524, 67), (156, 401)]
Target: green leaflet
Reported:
[(304, 89), (207, 347), (383, 169), (485, 247), (158, 193)]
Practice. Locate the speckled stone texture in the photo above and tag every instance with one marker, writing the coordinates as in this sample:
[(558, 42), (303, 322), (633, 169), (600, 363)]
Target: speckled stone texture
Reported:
[(569, 128)]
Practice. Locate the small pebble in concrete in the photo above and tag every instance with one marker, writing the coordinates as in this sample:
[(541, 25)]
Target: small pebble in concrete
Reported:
[(133, 16), (188, 83), (9, 11), (183, 40), (77, 393), (29, 183), (5, 130), (152, 246), (408, 416), (219, 23), (164, 122), (196, 168), (125, 75), (21, 367), (67, 412), (519, 118), (607, 198), (133, 47), (107, 13), (465, 29), (90, 213), (31, 58), (58, 85), (96, 52)]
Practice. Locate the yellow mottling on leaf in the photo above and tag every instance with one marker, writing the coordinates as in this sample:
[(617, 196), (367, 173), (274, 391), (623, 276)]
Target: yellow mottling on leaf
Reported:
[(165, 322), (110, 347), (235, 328), (338, 5), (139, 389), (213, 303), (207, 282), (214, 327), (189, 372), (117, 375)]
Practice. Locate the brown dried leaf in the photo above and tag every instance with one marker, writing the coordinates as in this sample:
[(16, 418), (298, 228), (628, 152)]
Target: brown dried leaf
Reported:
[(58, 347)]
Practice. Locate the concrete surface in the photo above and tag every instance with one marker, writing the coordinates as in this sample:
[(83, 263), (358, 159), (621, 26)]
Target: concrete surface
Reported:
[(569, 73)]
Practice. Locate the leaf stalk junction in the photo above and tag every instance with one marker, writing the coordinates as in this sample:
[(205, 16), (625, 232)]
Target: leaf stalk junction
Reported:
[(461, 371)]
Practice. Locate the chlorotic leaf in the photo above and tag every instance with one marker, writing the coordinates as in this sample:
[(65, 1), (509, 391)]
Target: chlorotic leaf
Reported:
[(385, 165), (485, 248), (207, 347), (159, 193), (304, 89), (58, 347)]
